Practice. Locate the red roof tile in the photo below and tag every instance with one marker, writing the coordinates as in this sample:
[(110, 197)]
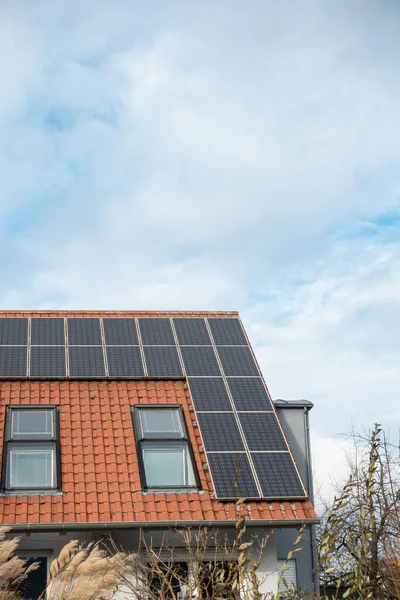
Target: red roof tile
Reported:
[(100, 471)]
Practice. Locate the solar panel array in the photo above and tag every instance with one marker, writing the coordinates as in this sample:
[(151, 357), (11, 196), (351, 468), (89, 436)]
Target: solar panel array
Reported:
[(243, 440)]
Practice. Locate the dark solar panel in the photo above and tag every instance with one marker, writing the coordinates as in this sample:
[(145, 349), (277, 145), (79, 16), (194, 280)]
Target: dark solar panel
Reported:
[(226, 469), (13, 331), (277, 475), (200, 360), (237, 361), (262, 431), (192, 332), (120, 332), (13, 361), (84, 332), (86, 361), (162, 361), (249, 394), (124, 361), (227, 332), (220, 432), (47, 361), (157, 332), (47, 331), (209, 393)]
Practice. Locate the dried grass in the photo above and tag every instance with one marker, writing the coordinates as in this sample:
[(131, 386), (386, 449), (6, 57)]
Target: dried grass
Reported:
[(84, 572), (13, 570)]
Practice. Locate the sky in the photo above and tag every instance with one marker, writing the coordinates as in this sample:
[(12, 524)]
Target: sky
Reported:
[(216, 155)]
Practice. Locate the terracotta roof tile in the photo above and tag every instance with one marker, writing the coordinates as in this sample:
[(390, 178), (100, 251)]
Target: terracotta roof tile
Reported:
[(100, 472)]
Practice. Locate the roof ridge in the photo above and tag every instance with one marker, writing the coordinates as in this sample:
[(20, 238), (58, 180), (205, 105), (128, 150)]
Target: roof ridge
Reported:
[(5, 312)]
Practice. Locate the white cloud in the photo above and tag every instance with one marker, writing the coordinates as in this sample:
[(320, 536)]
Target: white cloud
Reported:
[(335, 339), (195, 156), (330, 467)]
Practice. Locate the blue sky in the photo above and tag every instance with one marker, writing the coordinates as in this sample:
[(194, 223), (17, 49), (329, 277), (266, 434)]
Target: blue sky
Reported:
[(216, 155)]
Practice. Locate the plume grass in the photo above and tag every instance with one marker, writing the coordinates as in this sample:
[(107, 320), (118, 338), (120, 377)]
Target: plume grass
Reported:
[(84, 572), (13, 569)]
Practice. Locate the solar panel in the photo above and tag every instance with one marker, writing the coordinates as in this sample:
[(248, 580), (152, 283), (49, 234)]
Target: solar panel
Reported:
[(277, 475), (220, 432), (162, 361), (209, 393), (156, 332), (47, 361), (47, 331), (227, 332), (13, 361), (84, 332), (86, 361), (237, 361), (13, 331), (228, 468), (192, 332), (200, 360), (124, 361), (120, 332), (249, 394), (262, 431)]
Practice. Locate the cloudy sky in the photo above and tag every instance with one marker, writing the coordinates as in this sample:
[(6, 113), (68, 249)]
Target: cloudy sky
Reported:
[(216, 155)]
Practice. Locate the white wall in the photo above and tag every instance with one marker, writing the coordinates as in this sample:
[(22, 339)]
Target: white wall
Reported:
[(52, 543), (267, 571), (124, 594)]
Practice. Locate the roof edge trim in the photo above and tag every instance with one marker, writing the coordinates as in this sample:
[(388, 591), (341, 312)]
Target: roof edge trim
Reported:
[(37, 527), (158, 313), (279, 403)]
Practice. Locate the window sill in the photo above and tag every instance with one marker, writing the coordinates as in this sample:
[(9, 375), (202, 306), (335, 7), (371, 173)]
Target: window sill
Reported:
[(7, 494), (172, 491)]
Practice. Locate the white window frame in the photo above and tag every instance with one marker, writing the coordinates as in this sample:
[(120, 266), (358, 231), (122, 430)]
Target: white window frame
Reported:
[(39, 554)]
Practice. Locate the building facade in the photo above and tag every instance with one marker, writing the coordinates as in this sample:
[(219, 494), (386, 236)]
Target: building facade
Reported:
[(136, 425)]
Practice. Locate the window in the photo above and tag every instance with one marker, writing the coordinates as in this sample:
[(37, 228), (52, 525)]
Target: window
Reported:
[(33, 586), (289, 575), (163, 448), (30, 453), (216, 579), (167, 580)]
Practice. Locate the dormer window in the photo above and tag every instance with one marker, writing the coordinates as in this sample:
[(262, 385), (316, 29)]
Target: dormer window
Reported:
[(30, 453), (164, 450)]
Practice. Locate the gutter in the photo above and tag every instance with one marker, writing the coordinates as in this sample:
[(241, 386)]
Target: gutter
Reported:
[(279, 403), (64, 527)]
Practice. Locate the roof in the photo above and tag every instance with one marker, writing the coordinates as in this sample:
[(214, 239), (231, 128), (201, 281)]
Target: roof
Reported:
[(100, 472), (279, 403)]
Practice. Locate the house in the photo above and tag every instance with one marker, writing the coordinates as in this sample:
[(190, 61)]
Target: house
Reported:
[(130, 424)]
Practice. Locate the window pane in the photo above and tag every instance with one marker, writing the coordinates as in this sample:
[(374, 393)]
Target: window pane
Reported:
[(167, 465), (31, 466), (33, 586), (32, 424), (168, 581), (216, 579), (161, 423)]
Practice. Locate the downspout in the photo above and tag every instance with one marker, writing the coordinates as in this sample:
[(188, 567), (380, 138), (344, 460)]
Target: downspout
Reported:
[(310, 488)]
